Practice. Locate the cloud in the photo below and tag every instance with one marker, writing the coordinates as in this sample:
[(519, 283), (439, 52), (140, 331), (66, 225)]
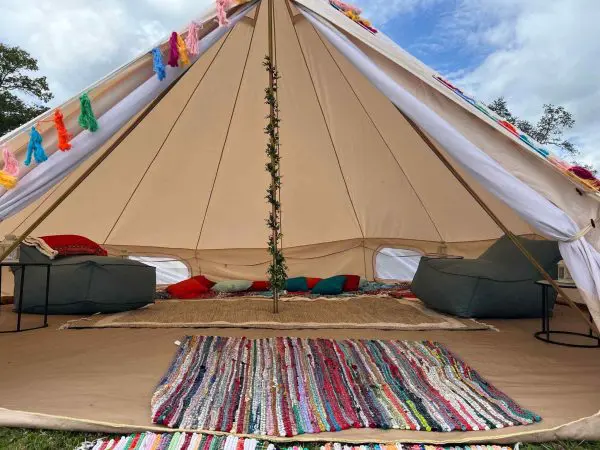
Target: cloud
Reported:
[(78, 42), (535, 52), (381, 11)]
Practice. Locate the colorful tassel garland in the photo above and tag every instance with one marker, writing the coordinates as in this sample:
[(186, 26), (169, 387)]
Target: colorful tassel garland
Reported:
[(87, 120), (64, 137), (10, 172), (34, 148), (173, 51), (159, 65), (191, 40), (222, 7), (183, 52)]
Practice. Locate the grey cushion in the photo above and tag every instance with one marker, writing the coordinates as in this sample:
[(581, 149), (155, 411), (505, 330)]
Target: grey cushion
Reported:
[(499, 284), (85, 284)]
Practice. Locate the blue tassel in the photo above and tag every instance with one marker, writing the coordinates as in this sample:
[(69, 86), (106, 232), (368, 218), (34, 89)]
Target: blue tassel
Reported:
[(159, 65), (34, 148)]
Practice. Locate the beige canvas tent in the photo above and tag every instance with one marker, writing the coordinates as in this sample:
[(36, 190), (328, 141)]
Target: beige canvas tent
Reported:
[(366, 133), (189, 179)]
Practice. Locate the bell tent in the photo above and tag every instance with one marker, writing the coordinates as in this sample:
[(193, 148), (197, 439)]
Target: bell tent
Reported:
[(377, 150)]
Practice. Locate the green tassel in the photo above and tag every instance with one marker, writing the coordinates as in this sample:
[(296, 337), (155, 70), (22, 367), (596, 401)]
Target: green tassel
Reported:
[(87, 120)]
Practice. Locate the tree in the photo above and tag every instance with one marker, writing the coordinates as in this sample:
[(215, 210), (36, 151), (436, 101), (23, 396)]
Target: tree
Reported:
[(549, 129), (16, 66)]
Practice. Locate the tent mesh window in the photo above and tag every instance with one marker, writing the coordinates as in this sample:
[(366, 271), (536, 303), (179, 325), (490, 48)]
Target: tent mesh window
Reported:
[(168, 270), (396, 264)]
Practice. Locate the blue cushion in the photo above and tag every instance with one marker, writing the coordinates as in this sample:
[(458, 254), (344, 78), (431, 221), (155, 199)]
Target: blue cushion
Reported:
[(297, 284), (330, 286)]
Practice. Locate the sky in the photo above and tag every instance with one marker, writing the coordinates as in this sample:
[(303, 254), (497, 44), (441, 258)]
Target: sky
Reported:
[(531, 52)]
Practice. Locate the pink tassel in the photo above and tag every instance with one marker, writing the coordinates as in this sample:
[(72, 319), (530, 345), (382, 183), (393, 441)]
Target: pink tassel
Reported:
[(191, 40), (174, 51), (11, 165), (346, 7), (222, 7)]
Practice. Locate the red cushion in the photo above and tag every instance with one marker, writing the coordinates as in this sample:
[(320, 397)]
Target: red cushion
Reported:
[(260, 286), (352, 282), (312, 282), (71, 244), (185, 289), (205, 281)]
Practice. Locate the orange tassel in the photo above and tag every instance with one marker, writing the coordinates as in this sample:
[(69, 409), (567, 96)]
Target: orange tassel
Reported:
[(64, 137)]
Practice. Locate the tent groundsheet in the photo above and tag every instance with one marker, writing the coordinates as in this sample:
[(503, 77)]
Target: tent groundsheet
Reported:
[(102, 380)]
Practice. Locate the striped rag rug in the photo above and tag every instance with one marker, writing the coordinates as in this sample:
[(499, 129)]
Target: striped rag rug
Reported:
[(195, 441), (287, 386)]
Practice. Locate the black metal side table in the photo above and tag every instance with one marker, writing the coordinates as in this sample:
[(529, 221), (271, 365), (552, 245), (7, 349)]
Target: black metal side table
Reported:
[(546, 333), (22, 283)]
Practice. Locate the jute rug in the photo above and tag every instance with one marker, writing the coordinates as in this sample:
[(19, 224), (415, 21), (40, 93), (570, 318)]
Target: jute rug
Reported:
[(197, 441), (287, 386), (384, 313)]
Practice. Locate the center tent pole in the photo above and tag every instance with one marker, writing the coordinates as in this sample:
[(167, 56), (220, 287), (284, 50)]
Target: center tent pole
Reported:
[(273, 188)]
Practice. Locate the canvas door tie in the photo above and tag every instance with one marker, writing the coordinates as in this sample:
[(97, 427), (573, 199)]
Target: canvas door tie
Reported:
[(584, 231)]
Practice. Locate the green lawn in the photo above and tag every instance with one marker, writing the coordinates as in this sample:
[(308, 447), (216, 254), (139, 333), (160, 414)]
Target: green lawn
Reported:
[(21, 439)]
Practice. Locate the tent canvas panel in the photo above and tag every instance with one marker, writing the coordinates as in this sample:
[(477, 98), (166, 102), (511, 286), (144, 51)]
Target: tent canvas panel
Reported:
[(374, 179)]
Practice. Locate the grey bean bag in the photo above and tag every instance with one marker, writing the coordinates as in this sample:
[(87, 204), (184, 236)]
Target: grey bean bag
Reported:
[(498, 284), (84, 284)]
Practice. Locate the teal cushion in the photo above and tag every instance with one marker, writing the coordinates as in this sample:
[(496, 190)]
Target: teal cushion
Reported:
[(330, 286), (232, 286), (297, 284)]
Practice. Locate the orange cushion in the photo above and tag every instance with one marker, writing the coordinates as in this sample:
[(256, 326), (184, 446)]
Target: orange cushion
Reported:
[(312, 282), (186, 289), (352, 282)]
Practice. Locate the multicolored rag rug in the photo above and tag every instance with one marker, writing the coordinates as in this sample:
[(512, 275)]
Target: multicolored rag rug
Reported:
[(287, 386), (194, 441)]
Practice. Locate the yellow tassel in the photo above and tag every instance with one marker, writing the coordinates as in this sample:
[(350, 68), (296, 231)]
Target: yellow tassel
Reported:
[(183, 51), (7, 181)]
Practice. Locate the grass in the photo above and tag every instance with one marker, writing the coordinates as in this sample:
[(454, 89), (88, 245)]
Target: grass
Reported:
[(563, 445), (22, 439)]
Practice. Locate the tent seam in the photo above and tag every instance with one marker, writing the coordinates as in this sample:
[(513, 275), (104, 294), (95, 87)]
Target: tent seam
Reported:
[(328, 131), (227, 132), (380, 135), (167, 136)]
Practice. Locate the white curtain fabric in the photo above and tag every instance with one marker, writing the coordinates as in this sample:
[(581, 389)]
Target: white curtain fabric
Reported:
[(396, 264), (580, 257), (44, 176)]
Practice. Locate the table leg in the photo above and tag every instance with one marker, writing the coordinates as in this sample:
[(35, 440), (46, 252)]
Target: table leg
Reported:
[(20, 307), (546, 315), (47, 295), (543, 309)]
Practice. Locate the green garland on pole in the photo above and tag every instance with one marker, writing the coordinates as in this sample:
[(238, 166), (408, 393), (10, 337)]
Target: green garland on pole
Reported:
[(278, 268)]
